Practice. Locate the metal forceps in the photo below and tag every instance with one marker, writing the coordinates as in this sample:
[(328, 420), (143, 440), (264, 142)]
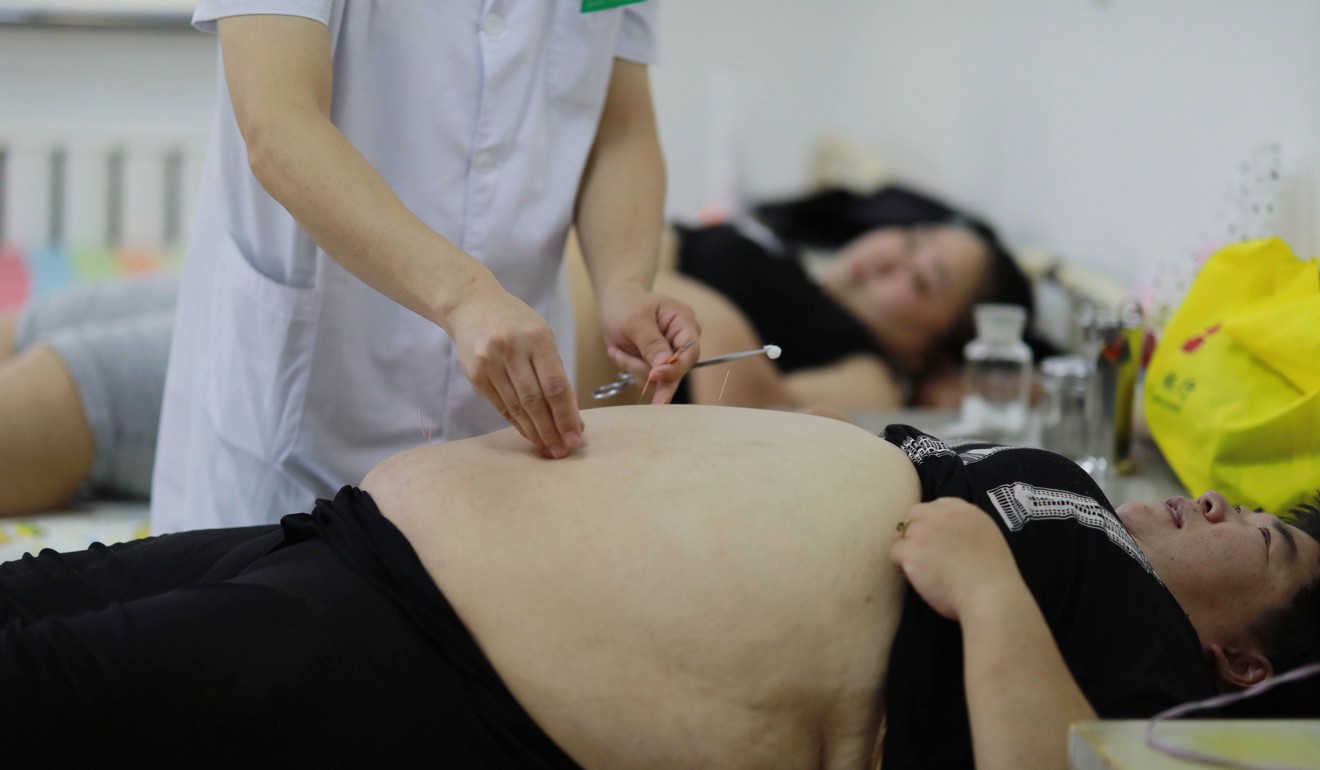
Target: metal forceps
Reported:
[(626, 379)]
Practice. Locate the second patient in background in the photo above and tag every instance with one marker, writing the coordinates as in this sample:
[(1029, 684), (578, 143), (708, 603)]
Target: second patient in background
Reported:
[(869, 295)]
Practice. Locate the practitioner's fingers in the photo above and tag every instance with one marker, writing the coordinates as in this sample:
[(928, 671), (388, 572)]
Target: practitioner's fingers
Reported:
[(527, 398), (506, 400), (653, 337), (549, 398), (508, 354)]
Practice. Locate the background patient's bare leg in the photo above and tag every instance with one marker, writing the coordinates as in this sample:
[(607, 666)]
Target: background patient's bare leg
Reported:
[(593, 367), (46, 445), (8, 330)]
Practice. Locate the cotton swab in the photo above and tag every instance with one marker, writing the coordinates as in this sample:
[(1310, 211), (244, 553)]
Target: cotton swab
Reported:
[(626, 379), (771, 351)]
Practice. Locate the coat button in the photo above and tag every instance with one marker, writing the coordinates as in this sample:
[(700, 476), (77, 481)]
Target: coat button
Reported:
[(493, 24), (484, 163)]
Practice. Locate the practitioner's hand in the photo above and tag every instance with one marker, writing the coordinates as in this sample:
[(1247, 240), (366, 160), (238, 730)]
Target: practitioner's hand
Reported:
[(508, 353), (643, 330), (954, 556)]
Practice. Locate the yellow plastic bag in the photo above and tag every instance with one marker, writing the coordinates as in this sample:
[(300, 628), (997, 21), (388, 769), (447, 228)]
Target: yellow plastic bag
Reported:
[(1232, 393)]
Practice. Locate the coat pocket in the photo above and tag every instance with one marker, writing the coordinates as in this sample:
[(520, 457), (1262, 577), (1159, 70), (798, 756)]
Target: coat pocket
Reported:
[(263, 336)]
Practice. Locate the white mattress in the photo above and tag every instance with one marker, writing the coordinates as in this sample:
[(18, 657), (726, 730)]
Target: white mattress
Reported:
[(73, 529)]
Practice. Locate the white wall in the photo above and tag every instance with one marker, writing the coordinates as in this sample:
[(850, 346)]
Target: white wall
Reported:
[(131, 78), (94, 92), (1105, 130)]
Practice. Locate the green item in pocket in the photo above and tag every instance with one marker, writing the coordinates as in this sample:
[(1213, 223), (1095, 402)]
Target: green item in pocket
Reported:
[(589, 6)]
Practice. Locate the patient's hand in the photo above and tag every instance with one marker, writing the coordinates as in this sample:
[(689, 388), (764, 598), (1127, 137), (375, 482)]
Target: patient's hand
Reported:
[(954, 556)]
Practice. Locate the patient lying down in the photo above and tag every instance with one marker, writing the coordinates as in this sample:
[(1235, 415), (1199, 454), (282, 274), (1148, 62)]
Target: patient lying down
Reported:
[(696, 587)]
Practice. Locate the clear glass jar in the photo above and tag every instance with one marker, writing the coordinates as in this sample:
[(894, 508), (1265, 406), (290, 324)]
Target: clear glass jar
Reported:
[(1066, 422), (997, 371)]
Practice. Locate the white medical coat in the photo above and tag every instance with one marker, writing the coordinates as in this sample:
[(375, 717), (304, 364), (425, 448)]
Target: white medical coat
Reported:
[(288, 377)]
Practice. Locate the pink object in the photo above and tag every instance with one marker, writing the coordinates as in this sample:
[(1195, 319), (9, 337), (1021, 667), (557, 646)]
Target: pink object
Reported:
[(15, 281)]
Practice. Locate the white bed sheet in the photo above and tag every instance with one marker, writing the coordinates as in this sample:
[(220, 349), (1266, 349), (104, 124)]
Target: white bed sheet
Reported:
[(74, 529)]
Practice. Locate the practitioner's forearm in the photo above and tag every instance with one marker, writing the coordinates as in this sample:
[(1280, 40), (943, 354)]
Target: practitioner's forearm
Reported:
[(303, 161), (620, 207), (1020, 695), (349, 211), (619, 217)]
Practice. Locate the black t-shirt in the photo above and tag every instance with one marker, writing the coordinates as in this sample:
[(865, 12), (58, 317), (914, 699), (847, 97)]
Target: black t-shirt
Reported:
[(785, 306), (1126, 641)]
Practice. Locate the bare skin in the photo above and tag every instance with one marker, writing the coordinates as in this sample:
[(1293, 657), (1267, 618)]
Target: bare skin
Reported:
[(8, 330), (907, 286), (770, 602), (506, 350), (48, 447), (858, 383), (718, 587)]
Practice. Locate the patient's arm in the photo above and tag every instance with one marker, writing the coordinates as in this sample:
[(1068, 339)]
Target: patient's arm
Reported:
[(1020, 695), (861, 382)]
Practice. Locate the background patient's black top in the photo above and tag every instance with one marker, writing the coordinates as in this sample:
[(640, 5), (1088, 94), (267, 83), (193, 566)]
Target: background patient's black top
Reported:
[(785, 306), (1127, 642)]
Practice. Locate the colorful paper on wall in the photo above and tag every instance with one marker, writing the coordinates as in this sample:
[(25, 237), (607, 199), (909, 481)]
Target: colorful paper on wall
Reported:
[(93, 263), (50, 269), (15, 282)]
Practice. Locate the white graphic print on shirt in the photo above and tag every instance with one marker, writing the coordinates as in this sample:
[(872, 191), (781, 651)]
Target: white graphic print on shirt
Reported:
[(1019, 503), (970, 456), (918, 448)]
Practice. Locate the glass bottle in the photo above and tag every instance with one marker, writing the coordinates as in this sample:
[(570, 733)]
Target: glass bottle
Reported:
[(1066, 424), (997, 373), (1111, 343)]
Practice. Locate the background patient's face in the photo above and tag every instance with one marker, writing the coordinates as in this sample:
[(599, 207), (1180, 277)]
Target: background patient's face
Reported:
[(909, 285), (1226, 566)]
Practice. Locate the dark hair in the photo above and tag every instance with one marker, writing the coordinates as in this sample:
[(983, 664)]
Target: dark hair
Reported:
[(1005, 283), (832, 217), (1290, 636)]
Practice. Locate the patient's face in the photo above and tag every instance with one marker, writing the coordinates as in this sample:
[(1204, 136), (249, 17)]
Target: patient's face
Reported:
[(908, 285), (1226, 566)]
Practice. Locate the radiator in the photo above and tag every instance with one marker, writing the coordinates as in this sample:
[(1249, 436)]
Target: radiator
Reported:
[(78, 205)]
